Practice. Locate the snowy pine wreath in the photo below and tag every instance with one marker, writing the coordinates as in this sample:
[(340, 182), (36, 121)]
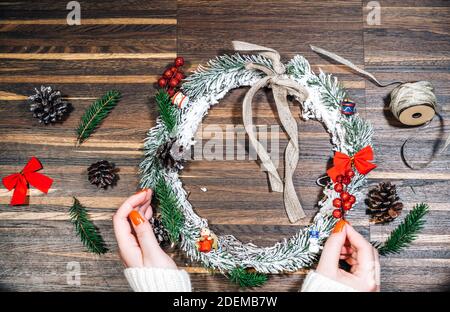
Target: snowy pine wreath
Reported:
[(246, 263)]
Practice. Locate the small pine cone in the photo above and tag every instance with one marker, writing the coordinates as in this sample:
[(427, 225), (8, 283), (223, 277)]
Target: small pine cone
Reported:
[(103, 174), (383, 203), (160, 232), (48, 106)]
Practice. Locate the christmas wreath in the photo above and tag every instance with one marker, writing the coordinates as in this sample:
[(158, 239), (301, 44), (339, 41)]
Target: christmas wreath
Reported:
[(321, 98)]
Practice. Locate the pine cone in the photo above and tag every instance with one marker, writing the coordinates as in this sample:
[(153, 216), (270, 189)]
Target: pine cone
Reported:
[(103, 174), (383, 202), (170, 155), (48, 106), (160, 232)]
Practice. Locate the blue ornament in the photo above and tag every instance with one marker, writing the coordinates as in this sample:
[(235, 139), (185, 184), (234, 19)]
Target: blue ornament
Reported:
[(314, 234)]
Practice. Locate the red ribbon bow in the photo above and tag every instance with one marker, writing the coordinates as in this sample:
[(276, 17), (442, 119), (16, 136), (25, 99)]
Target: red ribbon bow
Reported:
[(342, 163), (19, 181)]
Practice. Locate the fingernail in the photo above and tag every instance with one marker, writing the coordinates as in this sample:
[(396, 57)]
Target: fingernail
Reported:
[(136, 218), (339, 226), (141, 191)]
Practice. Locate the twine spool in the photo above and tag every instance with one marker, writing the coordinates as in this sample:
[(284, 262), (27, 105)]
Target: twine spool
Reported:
[(413, 103)]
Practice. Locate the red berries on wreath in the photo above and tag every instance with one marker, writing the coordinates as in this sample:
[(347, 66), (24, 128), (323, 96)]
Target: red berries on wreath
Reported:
[(179, 76), (345, 196), (173, 82), (338, 187), (162, 82), (167, 74), (350, 174), (337, 202), (337, 213), (172, 77), (347, 205), (345, 200), (346, 180), (352, 199), (179, 61)]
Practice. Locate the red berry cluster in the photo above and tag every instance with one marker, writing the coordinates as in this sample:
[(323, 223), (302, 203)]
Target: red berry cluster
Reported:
[(346, 200), (172, 76)]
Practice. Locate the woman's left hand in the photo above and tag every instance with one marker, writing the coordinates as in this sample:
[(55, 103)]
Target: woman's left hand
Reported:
[(141, 248)]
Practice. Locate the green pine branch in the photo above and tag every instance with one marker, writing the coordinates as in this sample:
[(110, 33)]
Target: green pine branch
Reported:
[(171, 215), (358, 133), (167, 111), (95, 114), (405, 232), (298, 67), (331, 90), (245, 278), (224, 70), (85, 229)]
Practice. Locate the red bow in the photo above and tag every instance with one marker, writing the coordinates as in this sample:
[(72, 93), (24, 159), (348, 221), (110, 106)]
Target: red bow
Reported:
[(342, 163), (19, 181)]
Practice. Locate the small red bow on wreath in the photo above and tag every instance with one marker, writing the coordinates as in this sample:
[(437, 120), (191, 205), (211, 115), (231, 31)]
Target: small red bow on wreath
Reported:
[(342, 163), (19, 181)]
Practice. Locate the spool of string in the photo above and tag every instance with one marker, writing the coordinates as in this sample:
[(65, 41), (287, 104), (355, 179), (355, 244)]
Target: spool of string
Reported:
[(411, 103)]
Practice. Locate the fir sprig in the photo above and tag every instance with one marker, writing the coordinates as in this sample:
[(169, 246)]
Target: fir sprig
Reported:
[(358, 133), (220, 71), (332, 92), (245, 278), (405, 232), (95, 114), (150, 167), (167, 112), (171, 216), (86, 230), (298, 67)]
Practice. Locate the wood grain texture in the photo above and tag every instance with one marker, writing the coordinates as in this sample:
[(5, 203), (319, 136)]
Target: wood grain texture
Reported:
[(126, 45)]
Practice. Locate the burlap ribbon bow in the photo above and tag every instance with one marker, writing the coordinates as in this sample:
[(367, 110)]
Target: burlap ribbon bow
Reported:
[(281, 86)]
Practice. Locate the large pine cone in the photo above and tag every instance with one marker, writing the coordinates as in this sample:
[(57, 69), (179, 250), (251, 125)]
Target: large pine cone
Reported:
[(48, 106), (383, 203), (103, 174)]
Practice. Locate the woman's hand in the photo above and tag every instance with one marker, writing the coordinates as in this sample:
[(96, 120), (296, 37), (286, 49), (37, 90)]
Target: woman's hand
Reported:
[(138, 245), (363, 258)]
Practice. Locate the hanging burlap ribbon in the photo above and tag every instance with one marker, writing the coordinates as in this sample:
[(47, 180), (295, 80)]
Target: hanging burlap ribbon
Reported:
[(412, 103), (281, 86)]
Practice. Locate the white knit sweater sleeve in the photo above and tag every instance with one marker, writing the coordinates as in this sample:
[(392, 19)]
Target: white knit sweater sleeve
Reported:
[(158, 280), (315, 282), (170, 280)]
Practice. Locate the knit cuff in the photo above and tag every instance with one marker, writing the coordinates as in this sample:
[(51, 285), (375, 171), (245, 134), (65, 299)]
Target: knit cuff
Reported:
[(158, 280), (315, 282)]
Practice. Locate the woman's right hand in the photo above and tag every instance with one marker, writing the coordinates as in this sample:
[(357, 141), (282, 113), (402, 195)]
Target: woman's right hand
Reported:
[(138, 245), (363, 258)]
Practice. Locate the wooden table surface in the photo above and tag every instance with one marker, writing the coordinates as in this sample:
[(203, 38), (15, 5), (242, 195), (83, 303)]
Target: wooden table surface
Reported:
[(126, 45)]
